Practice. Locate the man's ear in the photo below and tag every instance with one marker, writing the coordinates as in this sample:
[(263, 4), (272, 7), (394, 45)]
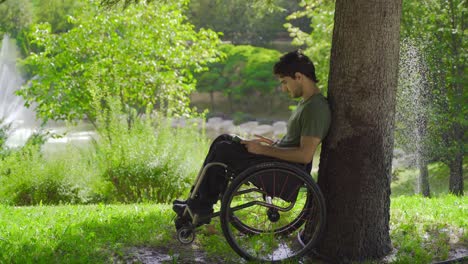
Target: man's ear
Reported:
[(298, 76)]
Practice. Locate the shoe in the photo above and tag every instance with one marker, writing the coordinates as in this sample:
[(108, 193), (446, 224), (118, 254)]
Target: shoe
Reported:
[(179, 209), (177, 201), (204, 215)]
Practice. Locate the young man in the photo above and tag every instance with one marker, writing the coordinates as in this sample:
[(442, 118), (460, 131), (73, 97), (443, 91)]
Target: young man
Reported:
[(306, 128)]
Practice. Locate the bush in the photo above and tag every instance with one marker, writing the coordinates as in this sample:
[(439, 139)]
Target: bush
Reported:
[(26, 178), (144, 158), (133, 159)]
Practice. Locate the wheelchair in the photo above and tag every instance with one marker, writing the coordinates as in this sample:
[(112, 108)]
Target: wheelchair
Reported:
[(264, 212)]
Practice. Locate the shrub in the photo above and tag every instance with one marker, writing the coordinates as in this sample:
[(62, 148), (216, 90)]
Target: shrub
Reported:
[(26, 178), (144, 158), (133, 159)]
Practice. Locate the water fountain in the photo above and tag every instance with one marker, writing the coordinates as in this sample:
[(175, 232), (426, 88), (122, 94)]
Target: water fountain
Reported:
[(12, 109), (413, 108)]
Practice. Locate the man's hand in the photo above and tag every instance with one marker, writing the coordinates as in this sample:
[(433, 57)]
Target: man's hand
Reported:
[(304, 153), (253, 146), (264, 140)]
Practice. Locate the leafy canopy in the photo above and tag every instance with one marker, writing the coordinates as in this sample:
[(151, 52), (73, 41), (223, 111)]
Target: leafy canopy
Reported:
[(245, 71), (145, 55)]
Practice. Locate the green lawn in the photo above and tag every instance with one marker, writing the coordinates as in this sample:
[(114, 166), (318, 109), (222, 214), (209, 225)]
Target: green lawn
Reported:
[(404, 180), (422, 230)]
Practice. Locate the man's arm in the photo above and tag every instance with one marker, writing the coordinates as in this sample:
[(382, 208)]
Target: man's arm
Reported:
[(302, 154)]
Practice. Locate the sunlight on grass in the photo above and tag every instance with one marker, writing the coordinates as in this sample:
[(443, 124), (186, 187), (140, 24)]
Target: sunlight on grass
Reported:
[(79, 234), (422, 230), (404, 180)]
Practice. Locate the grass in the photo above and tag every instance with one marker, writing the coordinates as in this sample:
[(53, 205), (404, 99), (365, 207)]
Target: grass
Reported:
[(425, 229), (404, 180), (79, 233), (422, 230)]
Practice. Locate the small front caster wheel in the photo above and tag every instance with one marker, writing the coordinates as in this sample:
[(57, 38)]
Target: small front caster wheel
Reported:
[(186, 235)]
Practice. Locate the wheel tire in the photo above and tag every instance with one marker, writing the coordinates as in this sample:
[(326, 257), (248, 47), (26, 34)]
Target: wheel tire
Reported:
[(227, 218)]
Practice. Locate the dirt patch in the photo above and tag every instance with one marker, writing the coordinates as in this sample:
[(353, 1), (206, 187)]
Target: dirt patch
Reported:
[(184, 255), (193, 253), (458, 253), (175, 254)]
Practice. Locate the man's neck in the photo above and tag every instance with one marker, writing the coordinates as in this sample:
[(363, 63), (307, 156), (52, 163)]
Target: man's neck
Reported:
[(309, 92)]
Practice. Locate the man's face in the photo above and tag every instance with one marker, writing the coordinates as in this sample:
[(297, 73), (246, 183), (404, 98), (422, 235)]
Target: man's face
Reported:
[(292, 86)]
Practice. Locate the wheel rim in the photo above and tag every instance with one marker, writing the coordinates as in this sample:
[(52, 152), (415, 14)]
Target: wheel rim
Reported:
[(255, 235)]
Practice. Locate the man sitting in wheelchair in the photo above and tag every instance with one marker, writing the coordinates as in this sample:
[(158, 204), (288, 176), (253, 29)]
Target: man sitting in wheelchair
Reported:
[(306, 128)]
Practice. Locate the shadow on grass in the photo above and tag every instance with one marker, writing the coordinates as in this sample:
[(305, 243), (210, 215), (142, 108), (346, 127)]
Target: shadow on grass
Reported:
[(96, 240)]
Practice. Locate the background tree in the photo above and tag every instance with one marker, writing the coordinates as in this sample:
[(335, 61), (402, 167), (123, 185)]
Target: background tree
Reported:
[(438, 30), (212, 81), (356, 157), (15, 17), (244, 74), (56, 13), (145, 55), (244, 21)]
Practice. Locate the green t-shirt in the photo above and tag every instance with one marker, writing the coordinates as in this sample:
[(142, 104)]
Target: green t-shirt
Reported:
[(312, 117)]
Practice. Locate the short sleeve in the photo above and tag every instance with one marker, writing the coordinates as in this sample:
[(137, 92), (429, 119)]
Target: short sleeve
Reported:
[(315, 120)]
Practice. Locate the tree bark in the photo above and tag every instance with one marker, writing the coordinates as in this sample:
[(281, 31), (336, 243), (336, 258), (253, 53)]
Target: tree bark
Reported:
[(456, 173), (423, 180), (356, 157), (422, 109), (456, 161)]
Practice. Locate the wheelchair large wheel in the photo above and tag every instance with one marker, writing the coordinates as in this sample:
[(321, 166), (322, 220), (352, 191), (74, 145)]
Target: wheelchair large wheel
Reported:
[(265, 210)]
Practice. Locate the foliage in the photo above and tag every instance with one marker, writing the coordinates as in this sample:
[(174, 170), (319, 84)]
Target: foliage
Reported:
[(420, 228), (437, 29), (26, 178), (245, 72), (4, 130), (318, 42), (56, 13), (244, 22), (145, 55), (149, 161), (404, 179), (16, 16), (255, 22), (138, 164)]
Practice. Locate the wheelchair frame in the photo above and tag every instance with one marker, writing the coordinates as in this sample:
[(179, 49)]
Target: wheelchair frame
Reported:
[(186, 233)]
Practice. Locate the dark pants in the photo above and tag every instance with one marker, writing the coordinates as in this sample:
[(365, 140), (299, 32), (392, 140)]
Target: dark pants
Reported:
[(237, 158)]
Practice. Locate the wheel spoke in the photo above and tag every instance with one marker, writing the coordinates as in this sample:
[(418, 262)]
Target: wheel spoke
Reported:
[(267, 229)]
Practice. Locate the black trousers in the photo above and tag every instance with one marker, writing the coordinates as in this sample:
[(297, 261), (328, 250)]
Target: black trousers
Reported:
[(237, 158)]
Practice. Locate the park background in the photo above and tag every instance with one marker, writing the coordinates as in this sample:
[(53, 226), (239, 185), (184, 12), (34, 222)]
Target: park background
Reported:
[(127, 100)]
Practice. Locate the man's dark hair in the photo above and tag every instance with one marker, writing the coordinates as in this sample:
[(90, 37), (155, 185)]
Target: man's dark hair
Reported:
[(295, 61)]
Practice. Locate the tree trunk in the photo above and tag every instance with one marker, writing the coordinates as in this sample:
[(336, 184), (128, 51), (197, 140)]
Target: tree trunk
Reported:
[(456, 173), (422, 108), (423, 180), (456, 162), (356, 157)]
